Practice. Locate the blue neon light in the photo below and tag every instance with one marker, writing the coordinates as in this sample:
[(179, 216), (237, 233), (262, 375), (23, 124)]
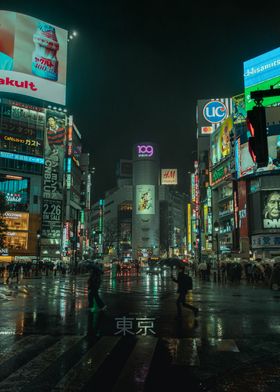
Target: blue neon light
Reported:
[(25, 158), (262, 68)]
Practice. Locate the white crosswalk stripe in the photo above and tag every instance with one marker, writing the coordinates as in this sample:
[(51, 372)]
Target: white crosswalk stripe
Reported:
[(94, 359)]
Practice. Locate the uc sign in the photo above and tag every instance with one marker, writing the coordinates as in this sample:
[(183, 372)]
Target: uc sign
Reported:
[(145, 150), (215, 112)]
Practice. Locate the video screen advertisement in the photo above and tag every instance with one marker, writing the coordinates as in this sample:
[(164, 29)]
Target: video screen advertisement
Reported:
[(33, 57), (244, 163), (260, 73)]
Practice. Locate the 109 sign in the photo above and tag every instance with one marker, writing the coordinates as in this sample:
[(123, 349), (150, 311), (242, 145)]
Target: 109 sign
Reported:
[(145, 150)]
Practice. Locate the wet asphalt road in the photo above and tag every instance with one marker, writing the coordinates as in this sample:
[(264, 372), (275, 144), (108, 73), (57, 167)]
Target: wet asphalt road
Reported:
[(48, 336)]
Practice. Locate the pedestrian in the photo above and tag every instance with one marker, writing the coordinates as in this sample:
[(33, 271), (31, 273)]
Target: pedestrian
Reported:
[(184, 283), (94, 283)]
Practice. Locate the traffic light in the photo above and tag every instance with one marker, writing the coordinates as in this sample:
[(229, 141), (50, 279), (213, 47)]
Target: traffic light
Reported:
[(256, 123)]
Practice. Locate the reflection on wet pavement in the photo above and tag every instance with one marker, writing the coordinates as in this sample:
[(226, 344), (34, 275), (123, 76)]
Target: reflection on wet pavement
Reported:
[(43, 320)]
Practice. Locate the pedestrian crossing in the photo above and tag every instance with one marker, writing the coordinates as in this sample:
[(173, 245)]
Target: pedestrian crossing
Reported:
[(81, 363)]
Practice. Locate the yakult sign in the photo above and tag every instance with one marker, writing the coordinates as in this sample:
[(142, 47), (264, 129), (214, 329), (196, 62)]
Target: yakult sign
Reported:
[(145, 150), (33, 57)]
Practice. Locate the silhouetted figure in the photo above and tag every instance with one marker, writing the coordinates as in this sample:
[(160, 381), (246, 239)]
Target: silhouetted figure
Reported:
[(94, 283), (184, 283)]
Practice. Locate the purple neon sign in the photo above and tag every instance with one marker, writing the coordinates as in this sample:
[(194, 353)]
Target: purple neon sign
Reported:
[(145, 150)]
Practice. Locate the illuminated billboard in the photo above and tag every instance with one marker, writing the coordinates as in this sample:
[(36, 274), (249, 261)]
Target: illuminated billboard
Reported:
[(239, 113), (220, 141), (55, 150), (244, 163), (260, 73), (145, 199), (16, 190), (271, 209), (33, 57), (210, 113), (169, 177)]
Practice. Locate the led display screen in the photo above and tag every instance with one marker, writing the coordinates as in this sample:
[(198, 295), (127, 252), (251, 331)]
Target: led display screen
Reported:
[(260, 73), (16, 191), (245, 164), (33, 57)]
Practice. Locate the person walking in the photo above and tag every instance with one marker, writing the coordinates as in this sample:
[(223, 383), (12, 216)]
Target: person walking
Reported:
[(94, 283), (184, 283)]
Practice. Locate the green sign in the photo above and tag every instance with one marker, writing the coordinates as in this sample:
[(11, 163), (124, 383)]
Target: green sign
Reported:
[(220, 172), (270, 101)]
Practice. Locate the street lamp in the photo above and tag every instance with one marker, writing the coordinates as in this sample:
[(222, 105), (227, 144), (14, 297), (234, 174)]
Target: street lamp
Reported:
[(216, 229), (38, 245)]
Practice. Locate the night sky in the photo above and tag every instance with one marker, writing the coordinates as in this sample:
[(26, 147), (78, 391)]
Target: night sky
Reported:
[(137, 69)]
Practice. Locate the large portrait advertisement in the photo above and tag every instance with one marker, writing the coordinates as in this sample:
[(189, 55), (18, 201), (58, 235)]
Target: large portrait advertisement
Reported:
[(271, 209), (55, 144), (33, 57), (145, 199)]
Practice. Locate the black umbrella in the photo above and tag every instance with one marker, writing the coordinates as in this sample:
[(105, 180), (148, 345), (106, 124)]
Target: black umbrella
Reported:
[(172, 262)]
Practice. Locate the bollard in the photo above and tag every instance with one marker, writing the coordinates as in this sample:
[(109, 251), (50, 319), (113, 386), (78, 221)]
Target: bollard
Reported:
[(215, 276)]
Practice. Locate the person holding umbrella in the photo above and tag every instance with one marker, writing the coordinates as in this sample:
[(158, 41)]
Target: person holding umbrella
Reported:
[(184, 283), (94, 283)]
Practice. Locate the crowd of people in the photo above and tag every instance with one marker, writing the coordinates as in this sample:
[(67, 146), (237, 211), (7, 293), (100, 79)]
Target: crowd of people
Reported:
[(230, 270), (14, 271)]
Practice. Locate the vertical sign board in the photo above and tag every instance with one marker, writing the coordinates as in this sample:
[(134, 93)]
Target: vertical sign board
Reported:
[(53, 180)]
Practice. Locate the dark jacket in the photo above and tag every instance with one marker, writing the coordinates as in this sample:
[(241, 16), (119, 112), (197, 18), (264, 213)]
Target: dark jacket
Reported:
[(94, 280), (184, 282)]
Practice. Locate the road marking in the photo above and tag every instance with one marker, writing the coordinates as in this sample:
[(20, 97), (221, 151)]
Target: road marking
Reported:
[(136, 369), (25, 374), (84, 370)]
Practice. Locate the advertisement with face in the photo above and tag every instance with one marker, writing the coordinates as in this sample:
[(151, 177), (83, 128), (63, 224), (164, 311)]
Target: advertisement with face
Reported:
[(55, 143), (33, 57), (271, 209), (145, 199), (220, 141)]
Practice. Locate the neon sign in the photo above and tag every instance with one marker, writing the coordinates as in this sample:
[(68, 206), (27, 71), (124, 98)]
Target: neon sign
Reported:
[(145, 150), (25, 158)]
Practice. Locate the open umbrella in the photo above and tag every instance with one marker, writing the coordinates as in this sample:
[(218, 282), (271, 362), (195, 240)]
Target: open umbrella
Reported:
[(172, 262)]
